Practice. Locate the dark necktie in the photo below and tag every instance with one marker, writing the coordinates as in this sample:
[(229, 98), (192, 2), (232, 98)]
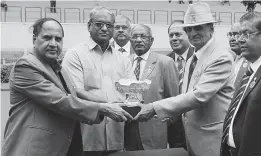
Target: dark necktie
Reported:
[(122, 50), (181, 71), (233, 106), (137, 68), (192, 67)]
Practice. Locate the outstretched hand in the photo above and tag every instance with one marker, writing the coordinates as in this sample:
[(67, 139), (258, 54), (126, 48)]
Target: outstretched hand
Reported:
[(115, 112), (146, 113)]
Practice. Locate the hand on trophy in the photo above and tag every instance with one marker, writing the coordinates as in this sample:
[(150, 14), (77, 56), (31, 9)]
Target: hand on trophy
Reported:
[(115, 112), (146, 113)]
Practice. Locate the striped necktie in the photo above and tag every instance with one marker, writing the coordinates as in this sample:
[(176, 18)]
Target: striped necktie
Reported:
[(192, 67), (181, 71), (137, 68), (233, 106)]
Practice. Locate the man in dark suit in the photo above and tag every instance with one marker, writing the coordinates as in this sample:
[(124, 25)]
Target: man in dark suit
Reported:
[(163, 74), (45, 112), (121, 36), (182, 51), (241, 131), (240, 64)]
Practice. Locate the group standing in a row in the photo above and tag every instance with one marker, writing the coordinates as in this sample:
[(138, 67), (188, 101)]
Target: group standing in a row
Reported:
[(206, 98)]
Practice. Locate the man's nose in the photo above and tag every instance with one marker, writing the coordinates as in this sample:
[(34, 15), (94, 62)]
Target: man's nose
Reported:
[(104, 27), (53, 42)]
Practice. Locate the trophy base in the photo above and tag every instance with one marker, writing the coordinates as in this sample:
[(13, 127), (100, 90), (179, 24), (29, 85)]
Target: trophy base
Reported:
[(132, 110)]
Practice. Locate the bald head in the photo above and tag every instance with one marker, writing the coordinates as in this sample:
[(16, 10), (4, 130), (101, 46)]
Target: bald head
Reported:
[(233, 42), (122, 28)]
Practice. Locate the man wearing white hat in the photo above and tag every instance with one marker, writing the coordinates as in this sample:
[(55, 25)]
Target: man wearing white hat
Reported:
[(207, 87)]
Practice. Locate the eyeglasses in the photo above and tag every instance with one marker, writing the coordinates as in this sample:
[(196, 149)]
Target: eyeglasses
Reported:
[(143, 37), (195, 28), (247, 35), (99, 25), (178, 35), (121, 27), (233, 34)]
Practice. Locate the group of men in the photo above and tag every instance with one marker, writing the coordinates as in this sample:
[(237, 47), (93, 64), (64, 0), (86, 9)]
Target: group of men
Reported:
[(202, 97)]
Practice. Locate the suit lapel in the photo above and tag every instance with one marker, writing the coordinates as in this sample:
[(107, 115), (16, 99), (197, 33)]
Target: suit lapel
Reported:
[(48, 71), (150, 64), (201, 64), (253, 82)]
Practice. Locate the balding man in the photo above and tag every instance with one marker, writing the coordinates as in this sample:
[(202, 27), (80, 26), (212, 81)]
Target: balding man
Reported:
[(121, 36), (241, 64), (161, 70)]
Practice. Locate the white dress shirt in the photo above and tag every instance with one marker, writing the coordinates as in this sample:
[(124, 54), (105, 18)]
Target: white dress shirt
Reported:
[(238, 62), (184, 56), (126, 47), (142, 62), (254, 66)]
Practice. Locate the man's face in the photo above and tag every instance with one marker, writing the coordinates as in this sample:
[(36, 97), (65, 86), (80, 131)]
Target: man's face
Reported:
[(141, 41), (250, 41), (199, 35), (101, 27), (233, 41), (178, 39), (49, 42), (121, 30)]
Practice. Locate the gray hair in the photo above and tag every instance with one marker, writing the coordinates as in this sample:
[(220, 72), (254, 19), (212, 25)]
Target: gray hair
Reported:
[(101, 9), (144, 26)]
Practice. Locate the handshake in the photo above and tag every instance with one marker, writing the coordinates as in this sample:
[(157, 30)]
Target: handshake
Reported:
[(122, 113)]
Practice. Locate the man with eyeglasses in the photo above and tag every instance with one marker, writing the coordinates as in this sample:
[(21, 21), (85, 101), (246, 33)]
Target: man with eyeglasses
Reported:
[(207, 87), (94, 67), (241, 64), (182, 51), (121, 36), (163, 74), (241, 135)]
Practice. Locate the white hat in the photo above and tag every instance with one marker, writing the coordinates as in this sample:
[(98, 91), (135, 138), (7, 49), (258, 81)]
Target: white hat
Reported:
[(197, 14)]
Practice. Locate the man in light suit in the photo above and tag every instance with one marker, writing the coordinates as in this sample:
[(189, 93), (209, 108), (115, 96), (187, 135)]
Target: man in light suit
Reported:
[(207, 87), (121, 36), (45, 112), (162, 72), (182, 51), (241, 135), (240, 64)]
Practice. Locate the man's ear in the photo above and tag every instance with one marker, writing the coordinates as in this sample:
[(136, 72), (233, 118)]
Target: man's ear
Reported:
[(152, 40), (89, 26), (34, 38)]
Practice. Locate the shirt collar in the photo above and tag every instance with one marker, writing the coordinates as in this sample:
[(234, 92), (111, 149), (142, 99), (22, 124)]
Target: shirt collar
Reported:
[(144, 56), (254, 66), (126, 46), (92, 44), (202, 49), (184, 55)]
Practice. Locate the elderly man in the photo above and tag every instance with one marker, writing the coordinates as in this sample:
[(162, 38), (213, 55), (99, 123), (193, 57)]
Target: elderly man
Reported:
[(241, 135), (121, 36), (162, 72), (241, 64), (45, 110), (207, 87), (94, 67), (182, 51)]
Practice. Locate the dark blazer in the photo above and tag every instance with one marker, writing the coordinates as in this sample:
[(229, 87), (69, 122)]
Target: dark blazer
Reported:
[(246, 126), (43, 114), (190, 53)]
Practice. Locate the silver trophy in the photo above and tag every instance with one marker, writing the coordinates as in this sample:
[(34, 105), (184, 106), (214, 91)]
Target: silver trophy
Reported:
[(133, 90)]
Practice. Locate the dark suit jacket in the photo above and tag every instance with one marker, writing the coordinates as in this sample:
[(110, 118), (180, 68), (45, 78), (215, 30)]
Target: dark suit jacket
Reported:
[(190, 53), (43, 114), (246, 126)]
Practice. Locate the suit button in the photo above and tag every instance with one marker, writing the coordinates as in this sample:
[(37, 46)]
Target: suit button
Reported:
[(69, 136)]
